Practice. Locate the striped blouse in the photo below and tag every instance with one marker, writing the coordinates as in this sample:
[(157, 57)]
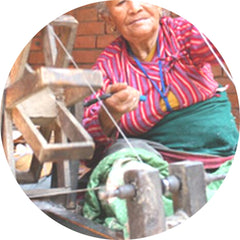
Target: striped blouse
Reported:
[(186, 69)]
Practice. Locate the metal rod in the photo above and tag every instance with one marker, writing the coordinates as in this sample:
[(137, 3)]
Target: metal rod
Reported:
[(44, 193), (124, 191), (209, 178)]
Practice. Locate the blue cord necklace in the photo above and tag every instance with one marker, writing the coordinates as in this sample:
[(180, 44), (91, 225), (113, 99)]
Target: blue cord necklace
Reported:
[(163, 91)]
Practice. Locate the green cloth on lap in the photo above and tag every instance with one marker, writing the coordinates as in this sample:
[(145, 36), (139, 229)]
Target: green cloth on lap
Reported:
[(207, 127)]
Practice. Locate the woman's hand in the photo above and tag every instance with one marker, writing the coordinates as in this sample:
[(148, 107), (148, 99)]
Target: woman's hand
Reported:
[(123, 100)]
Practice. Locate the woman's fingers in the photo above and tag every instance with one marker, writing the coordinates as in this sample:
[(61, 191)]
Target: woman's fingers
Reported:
[(116, 87), (123, 100)]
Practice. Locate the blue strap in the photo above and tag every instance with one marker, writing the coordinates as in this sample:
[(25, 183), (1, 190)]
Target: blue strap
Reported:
[(163, 92)]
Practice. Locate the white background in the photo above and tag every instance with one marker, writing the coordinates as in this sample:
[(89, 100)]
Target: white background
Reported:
[(20, 20)]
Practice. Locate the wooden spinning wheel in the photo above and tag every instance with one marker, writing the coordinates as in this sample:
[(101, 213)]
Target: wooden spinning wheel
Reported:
[(37, 103)]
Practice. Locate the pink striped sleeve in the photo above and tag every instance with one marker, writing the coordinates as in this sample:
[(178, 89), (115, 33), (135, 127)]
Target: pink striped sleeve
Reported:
[(92, 125), (190, 38), (91, 114)]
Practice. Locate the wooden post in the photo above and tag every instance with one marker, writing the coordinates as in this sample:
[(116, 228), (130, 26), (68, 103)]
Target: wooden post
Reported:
[(145, 210), (192, 193)]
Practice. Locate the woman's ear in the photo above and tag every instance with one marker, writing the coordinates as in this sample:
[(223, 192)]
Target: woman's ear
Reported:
[(109, 20)]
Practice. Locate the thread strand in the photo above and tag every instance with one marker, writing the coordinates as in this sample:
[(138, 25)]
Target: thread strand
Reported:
[(94, 92)]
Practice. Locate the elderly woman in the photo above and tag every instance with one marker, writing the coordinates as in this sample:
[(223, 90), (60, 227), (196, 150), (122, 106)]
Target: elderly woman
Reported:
[(184, 115)]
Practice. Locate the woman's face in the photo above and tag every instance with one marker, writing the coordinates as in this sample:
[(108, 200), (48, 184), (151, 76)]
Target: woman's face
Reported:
[(133, 18)]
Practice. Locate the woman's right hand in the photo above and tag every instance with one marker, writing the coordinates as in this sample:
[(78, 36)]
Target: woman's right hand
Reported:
[(124, 99)]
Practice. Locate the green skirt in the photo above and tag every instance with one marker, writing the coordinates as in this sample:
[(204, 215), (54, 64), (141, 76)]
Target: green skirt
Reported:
[(207, 127)]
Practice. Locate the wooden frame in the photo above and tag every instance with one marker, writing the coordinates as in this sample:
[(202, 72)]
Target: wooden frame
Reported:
[(36, 103)]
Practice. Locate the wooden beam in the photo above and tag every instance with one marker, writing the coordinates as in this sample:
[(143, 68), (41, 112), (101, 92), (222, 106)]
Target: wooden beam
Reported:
[(53, 151), (74, 82), (91, 78), (73, 130), (76, 222), (7, 138), (50, 46), (18, 68), (29, 131), (18, 91), (34, 172), (62, 151), (65, 27)]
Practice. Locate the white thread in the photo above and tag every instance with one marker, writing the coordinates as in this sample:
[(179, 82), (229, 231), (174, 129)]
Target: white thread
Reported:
[(94, 92), (216, 56)]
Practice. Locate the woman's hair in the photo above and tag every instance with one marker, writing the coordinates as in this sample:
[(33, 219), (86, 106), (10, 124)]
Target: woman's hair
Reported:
[(102, 8)]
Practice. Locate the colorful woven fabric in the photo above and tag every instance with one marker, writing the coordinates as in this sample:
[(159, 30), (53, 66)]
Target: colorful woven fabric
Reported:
[(205, 131), (189, 86), (186, 71)]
